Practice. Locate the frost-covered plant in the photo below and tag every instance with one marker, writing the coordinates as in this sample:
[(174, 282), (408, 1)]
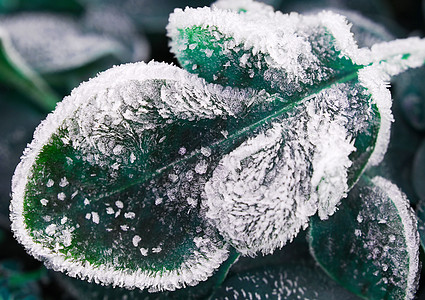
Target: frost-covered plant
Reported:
[(152, 176)]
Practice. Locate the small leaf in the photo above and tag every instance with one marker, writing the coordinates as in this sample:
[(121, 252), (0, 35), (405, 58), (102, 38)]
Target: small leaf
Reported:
[(371, 245), (15, 72), (60, 49), (290, 281)]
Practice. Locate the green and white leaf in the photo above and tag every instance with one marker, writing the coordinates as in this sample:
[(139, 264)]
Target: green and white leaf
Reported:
[(371, 245), (302, 60), (105, 191)]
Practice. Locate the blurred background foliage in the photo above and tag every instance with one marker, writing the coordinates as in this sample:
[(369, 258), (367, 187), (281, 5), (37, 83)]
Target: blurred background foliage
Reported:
[(47, 47)]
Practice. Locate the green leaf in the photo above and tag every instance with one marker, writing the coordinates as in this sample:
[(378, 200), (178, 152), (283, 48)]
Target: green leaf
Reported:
[(108, 192), (371, 245), (15, 72), (294, 58), (302, 280), (68, 54)]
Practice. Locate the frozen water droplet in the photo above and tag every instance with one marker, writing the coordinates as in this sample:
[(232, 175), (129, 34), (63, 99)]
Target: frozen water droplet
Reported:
[(51, 229), (189, 175), (63, 182), (206, 151), (182, 151), (144, 251), (86, 201), (44, 202), (157, 249), (124, 227), (50, 183), (132, 157), (201, 167), (136, 240), (119, 204), (158, 201), (118, 149), (129, 215), (110, 211), (61, 196), (63, 220), (95, 217), (173, 177)]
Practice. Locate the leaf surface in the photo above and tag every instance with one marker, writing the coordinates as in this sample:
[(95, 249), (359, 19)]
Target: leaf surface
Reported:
[(301, 60), (371, 245)]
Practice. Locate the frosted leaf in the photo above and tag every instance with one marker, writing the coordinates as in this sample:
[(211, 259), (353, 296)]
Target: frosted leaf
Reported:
[(298, 59), (287, 281), (379, 257), (51, 43), (98, 126), (263, 192)]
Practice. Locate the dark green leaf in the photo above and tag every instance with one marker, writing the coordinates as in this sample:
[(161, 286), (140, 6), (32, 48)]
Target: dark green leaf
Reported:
[(297, 280), (371, 245)]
